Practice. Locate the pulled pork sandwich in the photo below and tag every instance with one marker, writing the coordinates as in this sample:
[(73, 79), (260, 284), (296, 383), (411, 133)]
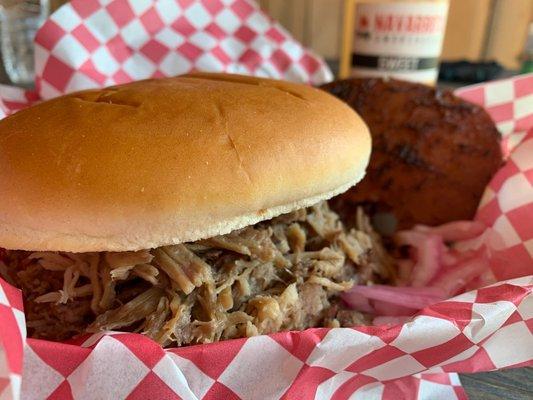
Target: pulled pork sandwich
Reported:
[(189, 209)]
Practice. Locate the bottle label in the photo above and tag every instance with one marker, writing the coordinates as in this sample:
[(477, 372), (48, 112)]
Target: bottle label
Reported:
[(401, 40)]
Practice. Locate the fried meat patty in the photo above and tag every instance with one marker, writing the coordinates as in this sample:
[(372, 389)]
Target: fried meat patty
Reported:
[(433, 153)]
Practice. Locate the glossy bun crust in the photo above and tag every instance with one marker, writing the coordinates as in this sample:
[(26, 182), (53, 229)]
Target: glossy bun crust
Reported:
[(159, 162)]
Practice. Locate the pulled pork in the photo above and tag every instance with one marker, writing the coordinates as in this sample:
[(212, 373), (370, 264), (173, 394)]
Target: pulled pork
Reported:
[(282, 274)]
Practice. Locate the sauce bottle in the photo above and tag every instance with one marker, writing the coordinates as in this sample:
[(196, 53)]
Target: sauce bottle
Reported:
[(393, 38)]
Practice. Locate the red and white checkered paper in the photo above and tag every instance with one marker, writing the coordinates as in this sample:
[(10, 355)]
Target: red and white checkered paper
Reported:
[(93, 43)]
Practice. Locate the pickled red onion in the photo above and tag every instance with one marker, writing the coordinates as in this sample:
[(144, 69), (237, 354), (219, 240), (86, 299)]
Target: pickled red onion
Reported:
[(405, 267), (428, 249), (358, 302), (384, 308), (407, 297), (454, 231), (428, 261), (456, 278), (443, 261)]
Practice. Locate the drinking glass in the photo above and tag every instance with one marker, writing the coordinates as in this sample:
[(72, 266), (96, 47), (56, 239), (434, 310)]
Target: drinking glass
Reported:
[(19, 21)]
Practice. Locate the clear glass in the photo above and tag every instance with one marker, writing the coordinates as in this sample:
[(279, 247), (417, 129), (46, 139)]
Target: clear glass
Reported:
[(19, 21)]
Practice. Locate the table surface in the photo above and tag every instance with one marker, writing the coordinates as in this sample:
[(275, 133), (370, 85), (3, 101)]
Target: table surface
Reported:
[(513, 384)]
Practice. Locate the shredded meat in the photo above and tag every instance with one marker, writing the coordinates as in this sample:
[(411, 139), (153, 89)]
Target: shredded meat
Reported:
[(282, 274)]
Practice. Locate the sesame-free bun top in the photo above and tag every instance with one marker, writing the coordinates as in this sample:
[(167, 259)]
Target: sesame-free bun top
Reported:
[(160, 162)]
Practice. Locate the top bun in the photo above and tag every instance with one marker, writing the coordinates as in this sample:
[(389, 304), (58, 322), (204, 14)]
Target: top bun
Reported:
[(166, 161)]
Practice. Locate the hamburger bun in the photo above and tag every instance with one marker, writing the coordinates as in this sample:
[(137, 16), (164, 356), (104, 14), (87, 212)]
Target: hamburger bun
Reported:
[(161, 162)]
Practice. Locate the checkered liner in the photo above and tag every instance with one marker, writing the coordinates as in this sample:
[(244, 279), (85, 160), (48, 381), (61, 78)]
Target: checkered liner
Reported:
[(507, 204), (94, 43), (90, 43)]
